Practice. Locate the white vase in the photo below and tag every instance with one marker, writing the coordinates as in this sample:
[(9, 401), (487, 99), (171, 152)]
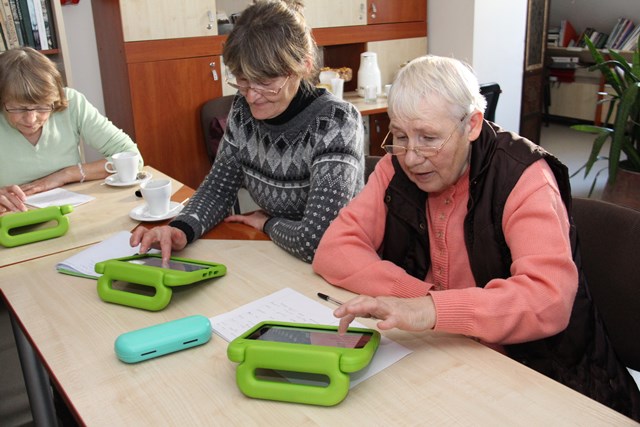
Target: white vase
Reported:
[(369, 73)]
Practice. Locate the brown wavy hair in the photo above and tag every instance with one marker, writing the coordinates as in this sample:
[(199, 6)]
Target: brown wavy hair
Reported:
[(29, 77), (271, 39)]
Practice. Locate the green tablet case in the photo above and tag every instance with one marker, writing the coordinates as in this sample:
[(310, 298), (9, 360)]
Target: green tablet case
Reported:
[(334, 363), (159, 278), (11, 236)]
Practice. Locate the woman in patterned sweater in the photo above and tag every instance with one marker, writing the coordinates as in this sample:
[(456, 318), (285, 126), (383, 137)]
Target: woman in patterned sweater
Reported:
[(297, 149)]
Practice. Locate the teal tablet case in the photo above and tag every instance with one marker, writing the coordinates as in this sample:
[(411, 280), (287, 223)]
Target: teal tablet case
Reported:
[(161, 279), (164, 338), (11, 236), (331, 362)]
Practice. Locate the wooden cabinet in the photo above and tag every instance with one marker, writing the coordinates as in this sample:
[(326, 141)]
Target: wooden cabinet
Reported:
[(154, 88), (168, 94), (335, 13), (167, 19), (392, 11)]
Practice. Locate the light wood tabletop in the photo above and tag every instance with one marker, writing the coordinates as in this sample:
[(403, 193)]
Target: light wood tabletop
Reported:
[(91, 222), (447, 379)]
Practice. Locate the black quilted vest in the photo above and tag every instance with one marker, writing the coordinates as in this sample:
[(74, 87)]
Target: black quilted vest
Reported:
[(581, 356)]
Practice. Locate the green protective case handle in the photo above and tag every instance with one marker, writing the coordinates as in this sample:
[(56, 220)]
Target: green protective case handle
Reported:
[(9, 223), (333, 362), (161, 279)]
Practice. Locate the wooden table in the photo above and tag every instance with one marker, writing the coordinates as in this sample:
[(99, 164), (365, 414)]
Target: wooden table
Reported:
[(447, 379), (91, 222)]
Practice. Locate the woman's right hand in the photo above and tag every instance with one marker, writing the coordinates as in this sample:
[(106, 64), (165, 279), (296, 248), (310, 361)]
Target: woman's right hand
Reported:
[(12, 199), (165, 238)]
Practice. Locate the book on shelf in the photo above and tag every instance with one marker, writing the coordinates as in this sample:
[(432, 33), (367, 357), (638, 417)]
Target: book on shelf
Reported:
[(575, 59), (568, 35), (8, 25), (631, 42), (27, 23)]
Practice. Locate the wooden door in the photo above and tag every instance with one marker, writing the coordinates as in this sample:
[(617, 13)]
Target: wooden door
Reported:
[(390, 11), (166, 98), (534, 79), (167, 19), (335, 13)]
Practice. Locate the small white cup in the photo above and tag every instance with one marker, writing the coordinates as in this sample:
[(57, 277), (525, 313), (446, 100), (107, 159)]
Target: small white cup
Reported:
[(370, 94), (157, 194), (124, 165), (337, 87)]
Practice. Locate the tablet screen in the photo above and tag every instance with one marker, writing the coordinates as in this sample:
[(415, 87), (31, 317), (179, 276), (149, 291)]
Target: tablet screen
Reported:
[(311, 336), (173, 264)]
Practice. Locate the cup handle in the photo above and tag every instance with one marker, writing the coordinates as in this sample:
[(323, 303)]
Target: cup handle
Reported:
[(107, 165)]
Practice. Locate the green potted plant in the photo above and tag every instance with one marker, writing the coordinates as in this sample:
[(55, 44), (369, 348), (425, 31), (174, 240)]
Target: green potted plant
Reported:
[(623, 98)]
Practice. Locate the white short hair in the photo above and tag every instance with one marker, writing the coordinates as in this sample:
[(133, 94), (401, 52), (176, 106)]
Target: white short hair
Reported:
[(436, 78)]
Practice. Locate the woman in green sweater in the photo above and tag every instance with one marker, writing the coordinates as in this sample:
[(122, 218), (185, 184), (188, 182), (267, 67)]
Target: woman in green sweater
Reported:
[(41, 126)]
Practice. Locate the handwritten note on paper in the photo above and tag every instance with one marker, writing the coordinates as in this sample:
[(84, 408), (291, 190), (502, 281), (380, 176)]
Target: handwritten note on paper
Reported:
[(288, 305), (57, 197)]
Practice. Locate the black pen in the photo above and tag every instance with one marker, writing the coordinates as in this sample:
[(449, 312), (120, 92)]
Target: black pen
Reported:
[(328, 298)]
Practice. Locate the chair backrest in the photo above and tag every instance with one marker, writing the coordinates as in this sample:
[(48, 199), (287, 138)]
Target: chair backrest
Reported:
[(491, 92), (609, 238), (370, 163), (213, 116)]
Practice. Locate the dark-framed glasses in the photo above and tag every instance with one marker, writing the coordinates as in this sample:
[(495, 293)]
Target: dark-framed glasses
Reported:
[(420, 150), (35, 109), (259, 89)]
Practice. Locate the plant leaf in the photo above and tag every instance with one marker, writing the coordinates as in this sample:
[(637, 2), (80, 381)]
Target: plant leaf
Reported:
[(623, 112)]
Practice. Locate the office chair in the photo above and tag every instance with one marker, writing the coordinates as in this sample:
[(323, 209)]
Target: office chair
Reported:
[(609, 238), (370, 163), (213, 119), (491, 92)]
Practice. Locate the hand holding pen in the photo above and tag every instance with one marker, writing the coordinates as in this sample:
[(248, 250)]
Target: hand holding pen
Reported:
[(409, 314)]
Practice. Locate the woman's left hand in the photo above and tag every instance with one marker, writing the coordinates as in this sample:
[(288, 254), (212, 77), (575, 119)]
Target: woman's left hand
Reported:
[(49, 182), (408, 314), (255, 219)]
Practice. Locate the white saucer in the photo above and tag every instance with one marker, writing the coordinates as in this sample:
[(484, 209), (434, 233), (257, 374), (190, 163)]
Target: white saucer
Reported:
[(113, 181), (141, 212)]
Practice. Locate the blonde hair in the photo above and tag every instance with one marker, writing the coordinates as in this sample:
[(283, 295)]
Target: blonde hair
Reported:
[(438, 78), (29, 77), (271, 39)]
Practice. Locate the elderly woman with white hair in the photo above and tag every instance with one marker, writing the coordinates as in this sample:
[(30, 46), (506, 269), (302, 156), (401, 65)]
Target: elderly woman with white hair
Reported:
[(466, 228)]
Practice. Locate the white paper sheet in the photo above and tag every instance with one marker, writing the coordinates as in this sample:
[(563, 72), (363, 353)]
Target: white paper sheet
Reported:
[(83, 263), (57, 197), (290, 306)]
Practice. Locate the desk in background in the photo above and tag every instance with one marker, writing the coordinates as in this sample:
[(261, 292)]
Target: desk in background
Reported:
[(376, 114), (446, 380)]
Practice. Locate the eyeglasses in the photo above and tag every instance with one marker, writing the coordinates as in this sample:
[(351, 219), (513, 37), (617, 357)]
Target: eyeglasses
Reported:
[(420, 150), (22, 110), (260, 90)]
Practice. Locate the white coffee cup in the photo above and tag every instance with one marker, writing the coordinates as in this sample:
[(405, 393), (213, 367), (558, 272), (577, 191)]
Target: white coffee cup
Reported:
[(337, 87), (157, 194), (124, 165)]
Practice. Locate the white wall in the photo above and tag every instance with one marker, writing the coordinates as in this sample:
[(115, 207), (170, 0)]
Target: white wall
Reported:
[(83, 58), (490, 36)]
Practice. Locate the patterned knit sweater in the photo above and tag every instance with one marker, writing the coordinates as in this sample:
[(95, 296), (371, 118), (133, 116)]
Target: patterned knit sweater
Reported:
[(301, 172)]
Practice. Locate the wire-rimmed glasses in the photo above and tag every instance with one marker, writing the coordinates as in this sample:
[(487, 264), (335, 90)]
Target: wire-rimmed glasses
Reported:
[(22, 110), (260, 90), (420, 150)]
